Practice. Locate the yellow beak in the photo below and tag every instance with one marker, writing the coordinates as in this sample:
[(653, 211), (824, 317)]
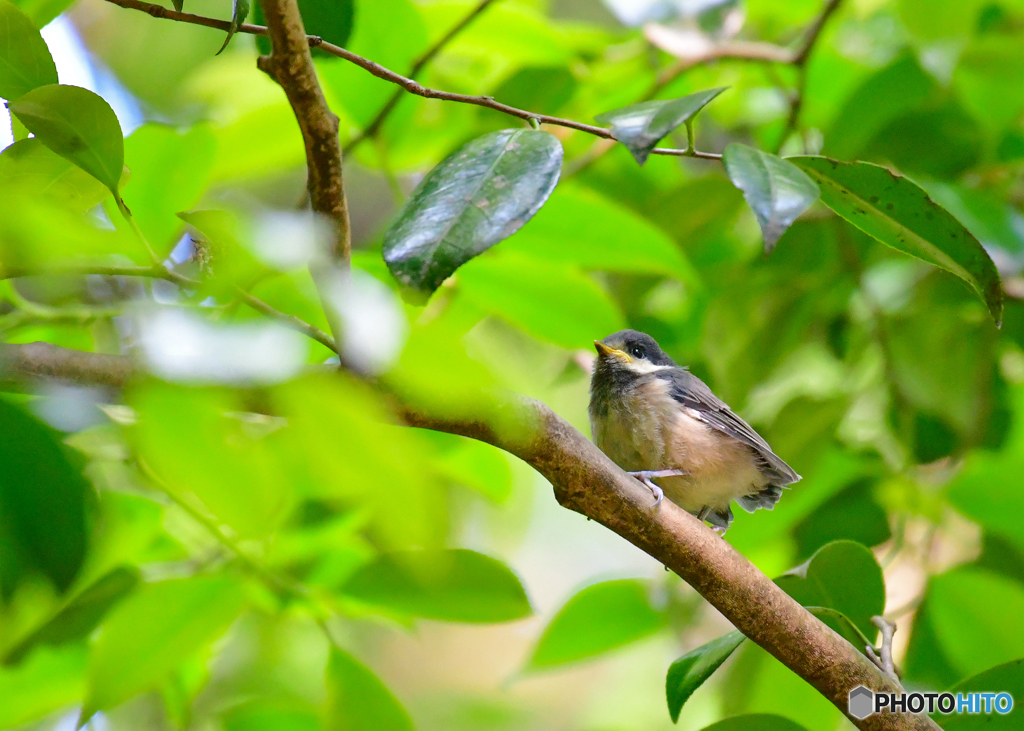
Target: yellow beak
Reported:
[(606, 350)]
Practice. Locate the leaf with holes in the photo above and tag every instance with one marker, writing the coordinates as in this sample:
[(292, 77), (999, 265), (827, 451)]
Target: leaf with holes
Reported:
[(775, 189), (479, 195), (25, 61), (239, 12), (641, 126), (79, 126), (690, 671), (899, 213)]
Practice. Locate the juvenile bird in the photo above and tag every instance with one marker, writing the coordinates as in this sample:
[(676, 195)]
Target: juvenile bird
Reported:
[(658, 421)]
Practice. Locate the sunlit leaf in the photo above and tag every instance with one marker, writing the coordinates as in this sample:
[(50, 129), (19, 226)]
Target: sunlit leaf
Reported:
[(479, 195), (25, 61), (358, 701), (600, 618), (453, 585), (148, 635), (30, 168), (272, 715), (239, 12), (775, 189), (49, 679), (79, 126), (641, 126), (898, 213), (690, 671)]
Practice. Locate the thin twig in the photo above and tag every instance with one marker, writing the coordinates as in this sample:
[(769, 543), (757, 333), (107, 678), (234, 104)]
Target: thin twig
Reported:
[(884, 663)]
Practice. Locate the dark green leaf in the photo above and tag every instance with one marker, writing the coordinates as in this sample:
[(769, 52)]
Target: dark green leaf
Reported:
[(358, 701), (843, 576), (452, 585), (42, 503), (640, 126), (756, 722), (690, 671), (30, 168), (79, 126), (239, 12), (899, 213), (81, 615), (329, 19), (775, 189), (479, 195), (1005, 678), (600, 618), (25, 61), (179, 5)]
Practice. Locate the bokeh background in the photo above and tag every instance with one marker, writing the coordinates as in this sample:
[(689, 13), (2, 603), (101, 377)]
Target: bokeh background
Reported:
[(882, 380)]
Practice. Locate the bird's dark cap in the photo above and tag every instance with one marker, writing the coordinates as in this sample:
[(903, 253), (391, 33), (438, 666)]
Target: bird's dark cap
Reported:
[(629, 345)]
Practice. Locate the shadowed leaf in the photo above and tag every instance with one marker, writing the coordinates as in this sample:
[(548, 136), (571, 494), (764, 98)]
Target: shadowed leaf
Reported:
[(239, 12), (30, 167)]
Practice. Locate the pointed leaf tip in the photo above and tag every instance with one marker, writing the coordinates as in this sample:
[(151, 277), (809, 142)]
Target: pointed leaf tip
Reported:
[(691, 670)]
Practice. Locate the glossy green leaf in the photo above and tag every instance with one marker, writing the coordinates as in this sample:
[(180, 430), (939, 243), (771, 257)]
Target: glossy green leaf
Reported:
[(844, 576), (756, 722), (479, 195), (81, 615), (160, 626), (897, 212), (600, 618), (43, 496), (239, 12), (690, 671), (30, 168), (452, 585), (79, 126), (1005, 678), (25, 61), (641, 126), (775, 189), (358, 701)]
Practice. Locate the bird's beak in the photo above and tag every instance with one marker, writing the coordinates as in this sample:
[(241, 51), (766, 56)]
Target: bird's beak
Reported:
[(606, 351)]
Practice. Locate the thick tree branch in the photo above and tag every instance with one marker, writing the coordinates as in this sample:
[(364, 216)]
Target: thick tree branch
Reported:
[(588, 482)]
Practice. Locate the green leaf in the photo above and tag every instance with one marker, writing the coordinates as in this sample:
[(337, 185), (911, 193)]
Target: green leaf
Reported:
[(42, 503), (358, 701), (451, 585), (179, 5), (600, 618), (690, 671), (775, 189), (239, 12), (329, 19), (756, 722), (641, 126), (899, 213), (79, 126), (30, 168), (477, 196), (25, 61), (1005, 678), (844, 576), (81, 615), (49, 679), (160, 626), (263, 714)]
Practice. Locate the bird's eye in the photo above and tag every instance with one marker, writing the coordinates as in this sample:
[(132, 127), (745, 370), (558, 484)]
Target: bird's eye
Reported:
[(637, 351)]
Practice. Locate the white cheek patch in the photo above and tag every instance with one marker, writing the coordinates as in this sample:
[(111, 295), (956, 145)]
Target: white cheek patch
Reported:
[(643, 367)]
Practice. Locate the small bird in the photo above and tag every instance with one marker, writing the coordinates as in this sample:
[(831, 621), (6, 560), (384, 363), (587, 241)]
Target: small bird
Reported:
[(658, 421)]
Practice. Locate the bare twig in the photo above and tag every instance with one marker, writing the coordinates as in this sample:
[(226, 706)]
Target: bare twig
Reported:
[(884, 662)]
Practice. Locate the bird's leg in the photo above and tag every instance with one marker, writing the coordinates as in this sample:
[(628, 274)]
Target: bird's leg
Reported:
[(702, 516), (719, 530), (645, 477)]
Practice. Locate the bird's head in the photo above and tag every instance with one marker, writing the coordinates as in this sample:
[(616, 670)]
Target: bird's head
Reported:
[(630, 351)]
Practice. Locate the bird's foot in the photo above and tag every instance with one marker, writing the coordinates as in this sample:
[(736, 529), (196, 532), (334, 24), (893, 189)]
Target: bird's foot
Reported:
[(719, 530), (645, 477)]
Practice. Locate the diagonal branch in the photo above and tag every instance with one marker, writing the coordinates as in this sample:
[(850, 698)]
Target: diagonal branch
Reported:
[(588, 482)]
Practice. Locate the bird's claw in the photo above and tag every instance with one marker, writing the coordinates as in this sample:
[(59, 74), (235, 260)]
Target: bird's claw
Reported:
[(719, 530), (645, 477)]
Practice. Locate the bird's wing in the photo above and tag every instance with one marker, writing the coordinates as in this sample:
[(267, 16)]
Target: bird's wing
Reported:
[(693, 393)]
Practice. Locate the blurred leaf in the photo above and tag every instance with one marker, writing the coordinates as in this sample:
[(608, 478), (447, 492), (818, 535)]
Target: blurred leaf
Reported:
[(32, 169), (476, 197), (756, 722), (852, 515), (844, 576), (1005, 678), (329, 19), (898, 213), (775, 189), (81, 615), (452, 585), (221, 234), (544, 89), (940, 140), (78, 125), (239, 12), (161, 625), (478, 466), (690, 671), (270, 715), (926, 662), (25, 61), (43, 498), (579, 226), (41, 12), (641, 126), (990, 219), (554, 302), (50, 679), (599, 618), (986, 80), (358, 701)]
